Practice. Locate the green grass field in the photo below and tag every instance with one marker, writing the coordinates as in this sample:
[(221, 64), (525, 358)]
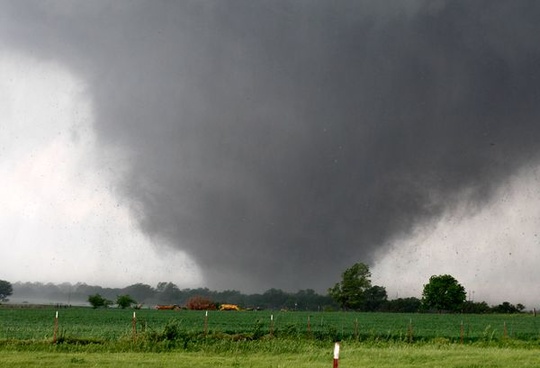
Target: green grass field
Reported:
[(353, 355), (105, 337), (112, 324)]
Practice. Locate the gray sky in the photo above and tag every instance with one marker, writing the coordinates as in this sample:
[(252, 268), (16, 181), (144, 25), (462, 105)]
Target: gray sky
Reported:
[(257, 144)]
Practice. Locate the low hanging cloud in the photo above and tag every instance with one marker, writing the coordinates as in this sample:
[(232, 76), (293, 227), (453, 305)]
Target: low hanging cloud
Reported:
[(493, 250), (279, 142), (60, 221)]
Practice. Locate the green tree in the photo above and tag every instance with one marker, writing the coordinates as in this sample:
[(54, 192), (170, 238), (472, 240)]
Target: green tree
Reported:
[(125, 301), (403, 305), (276, 299), (350, 293), (476, 307), (6, 289), (443, 293), (141, 292), (309, 300), (507, 307), (375, 298), (97, 301), (167, 292)]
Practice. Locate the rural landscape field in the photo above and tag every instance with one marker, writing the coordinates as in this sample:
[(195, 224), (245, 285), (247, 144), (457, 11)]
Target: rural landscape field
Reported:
[(272, 183), (84, 337)]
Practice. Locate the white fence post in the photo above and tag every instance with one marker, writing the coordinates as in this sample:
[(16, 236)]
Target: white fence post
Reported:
[(336, 355)]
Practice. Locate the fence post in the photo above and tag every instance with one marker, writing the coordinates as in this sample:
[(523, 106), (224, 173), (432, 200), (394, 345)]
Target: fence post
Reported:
[(134, 326), (461, 333), (336, 355), (206, 323), (271, 325), (55, 332), (410, 331)]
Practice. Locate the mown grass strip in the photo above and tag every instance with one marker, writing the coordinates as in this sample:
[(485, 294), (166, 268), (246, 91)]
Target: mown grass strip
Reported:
[(353, 355)]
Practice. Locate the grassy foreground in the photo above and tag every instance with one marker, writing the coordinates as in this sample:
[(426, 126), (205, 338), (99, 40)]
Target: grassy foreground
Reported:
[(354, 355)]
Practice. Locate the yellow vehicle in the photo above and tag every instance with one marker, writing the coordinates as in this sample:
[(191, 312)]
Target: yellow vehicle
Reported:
[(229, 307)]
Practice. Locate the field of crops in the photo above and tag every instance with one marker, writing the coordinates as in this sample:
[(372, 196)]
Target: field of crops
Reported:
[(111, 338), (112, 324)]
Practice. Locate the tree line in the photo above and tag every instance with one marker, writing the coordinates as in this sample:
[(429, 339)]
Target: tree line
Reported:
[(169, 293), (442, 293)]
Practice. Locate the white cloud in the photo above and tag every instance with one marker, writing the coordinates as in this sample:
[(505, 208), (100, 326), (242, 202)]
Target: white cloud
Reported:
[(59, 220)]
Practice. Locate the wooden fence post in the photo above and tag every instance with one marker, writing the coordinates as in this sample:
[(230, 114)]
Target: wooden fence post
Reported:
[(55, 332), (410, 331)]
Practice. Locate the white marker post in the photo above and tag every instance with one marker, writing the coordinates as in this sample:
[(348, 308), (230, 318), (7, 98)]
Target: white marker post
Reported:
[(55, 333), (134, 325), (336, 355), (206, 323)]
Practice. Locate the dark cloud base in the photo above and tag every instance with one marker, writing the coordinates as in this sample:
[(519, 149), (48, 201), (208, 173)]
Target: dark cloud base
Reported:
[(279, 142)]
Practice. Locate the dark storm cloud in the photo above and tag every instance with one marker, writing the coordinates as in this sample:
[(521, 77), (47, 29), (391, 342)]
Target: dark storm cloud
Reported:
[(278, 142)]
